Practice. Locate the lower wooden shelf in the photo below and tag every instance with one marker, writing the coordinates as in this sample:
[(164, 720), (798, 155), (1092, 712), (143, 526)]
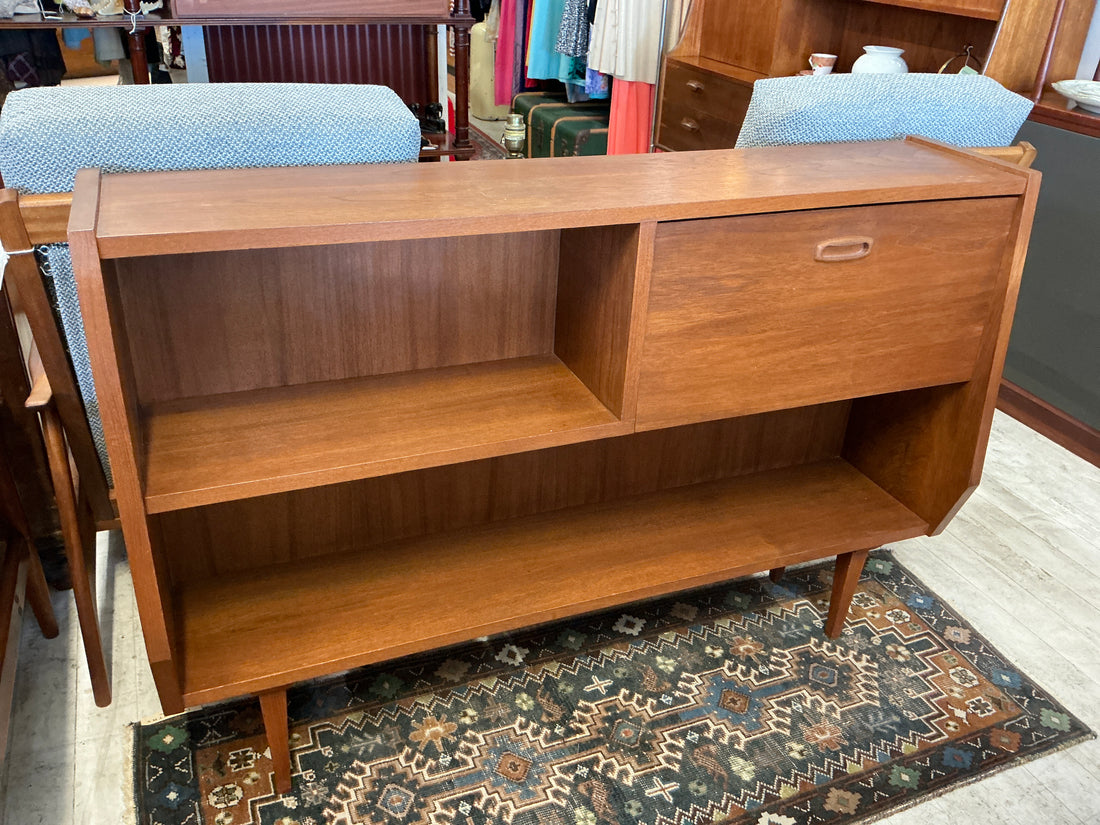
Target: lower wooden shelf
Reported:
[(304, 619), (237, 445)]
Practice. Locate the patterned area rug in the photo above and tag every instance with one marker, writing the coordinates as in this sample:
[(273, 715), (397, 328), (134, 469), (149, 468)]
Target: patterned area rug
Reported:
[(726, 704), (485, 147)]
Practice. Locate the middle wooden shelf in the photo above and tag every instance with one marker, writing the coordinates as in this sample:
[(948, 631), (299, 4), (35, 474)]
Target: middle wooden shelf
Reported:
[(277, 439)]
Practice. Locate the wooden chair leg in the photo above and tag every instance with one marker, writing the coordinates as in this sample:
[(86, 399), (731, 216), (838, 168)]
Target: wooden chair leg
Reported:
[(38, 593), (848, 569), (273, 708), (13, 521), (81, 571), (776, 573)]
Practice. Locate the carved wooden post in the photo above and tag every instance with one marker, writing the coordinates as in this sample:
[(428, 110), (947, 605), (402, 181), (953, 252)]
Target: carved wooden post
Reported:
[(139, 60), (462, 75)]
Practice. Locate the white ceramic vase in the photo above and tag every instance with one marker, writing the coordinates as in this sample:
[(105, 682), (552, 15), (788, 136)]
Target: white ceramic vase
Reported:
[(880, 60)]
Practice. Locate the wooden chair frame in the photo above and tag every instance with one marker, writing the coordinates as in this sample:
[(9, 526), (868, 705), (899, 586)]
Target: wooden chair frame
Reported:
[(76, 473)]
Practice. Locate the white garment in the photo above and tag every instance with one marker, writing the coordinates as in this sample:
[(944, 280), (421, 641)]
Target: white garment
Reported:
[(626, 39)]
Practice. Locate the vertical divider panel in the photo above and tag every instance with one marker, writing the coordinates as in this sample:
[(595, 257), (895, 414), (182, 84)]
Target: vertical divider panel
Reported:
[(119, 409), (603, 281)]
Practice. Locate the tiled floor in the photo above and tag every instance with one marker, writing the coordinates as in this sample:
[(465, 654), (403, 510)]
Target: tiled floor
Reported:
[(1021, 560)]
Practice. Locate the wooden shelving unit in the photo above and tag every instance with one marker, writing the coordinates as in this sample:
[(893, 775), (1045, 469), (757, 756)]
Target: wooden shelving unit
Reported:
[(588, 382)]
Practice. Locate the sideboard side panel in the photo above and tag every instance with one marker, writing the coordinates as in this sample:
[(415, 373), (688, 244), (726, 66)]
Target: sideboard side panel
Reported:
[(926, 447)]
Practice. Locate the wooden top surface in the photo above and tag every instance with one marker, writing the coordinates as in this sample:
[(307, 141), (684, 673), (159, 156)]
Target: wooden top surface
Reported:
[(166, 212)]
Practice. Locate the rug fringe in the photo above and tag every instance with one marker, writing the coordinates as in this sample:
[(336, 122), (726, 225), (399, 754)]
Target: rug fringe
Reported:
[(1017, 762), (130, 815)]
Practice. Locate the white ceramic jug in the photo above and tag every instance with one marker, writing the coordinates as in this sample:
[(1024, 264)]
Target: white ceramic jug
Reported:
[(880, 60)]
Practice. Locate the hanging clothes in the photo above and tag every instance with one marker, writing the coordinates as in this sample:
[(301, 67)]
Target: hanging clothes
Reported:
[(596, 85), (631, 117), (573, 32), (543, 61), (505, 54), (626, 39), (511, 55), (31, 57)]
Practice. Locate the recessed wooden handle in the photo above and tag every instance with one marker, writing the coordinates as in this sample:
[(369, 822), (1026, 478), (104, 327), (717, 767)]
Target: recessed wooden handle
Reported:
[(689, 124), (695, 85), (843, 249)]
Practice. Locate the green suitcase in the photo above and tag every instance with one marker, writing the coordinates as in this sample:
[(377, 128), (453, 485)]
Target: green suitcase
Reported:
[(525, 101), (543, 116), (575, 136)]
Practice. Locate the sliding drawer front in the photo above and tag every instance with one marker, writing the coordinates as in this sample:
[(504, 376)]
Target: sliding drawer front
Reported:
[(767, 312)]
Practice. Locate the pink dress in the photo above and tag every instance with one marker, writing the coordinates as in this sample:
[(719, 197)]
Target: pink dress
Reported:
[(505, 57), (631, 117)]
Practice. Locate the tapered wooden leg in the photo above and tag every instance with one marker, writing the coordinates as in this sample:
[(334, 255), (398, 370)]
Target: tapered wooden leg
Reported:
[(273, 708), (776, 573), (38, 593), (848, 569), (81, 572)]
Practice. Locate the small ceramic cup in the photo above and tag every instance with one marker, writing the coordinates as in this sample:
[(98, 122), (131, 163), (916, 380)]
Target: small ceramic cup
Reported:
[(822, 63)]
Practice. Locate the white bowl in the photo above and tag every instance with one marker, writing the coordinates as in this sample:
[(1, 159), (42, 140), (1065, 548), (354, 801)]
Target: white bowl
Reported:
[(1085, 93)]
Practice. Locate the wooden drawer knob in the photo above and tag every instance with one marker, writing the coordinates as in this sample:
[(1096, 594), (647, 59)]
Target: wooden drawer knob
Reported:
[(689, 124), (843, 249), (695, 86)]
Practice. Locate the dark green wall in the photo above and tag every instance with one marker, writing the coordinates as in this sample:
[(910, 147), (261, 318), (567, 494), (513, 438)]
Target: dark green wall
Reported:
[(1054, 351)]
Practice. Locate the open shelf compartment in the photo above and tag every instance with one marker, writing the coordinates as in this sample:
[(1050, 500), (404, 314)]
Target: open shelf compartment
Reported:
[(264, 371), (299, 620), (205, 450)]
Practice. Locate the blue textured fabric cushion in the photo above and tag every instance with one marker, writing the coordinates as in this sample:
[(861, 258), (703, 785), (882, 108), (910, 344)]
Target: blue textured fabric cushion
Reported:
[(964, 110), (47, 134)]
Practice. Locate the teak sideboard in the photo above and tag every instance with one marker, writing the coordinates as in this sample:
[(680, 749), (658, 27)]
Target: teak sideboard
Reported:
[(355, 413)]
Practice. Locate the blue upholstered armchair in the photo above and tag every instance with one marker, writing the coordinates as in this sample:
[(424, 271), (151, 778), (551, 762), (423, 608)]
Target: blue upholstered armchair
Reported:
[(963, 110), (46, 135)]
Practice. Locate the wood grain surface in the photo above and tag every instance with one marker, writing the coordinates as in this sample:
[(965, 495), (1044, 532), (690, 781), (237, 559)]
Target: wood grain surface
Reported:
[(296, 621), (234, 321), (34, 304), (763, 325), (1022, 36), (46, 217), (174, 212), (985, 9), (595, 306), (217, 448), (302, 524), (315, 522), (118, 407), (927, 447)]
